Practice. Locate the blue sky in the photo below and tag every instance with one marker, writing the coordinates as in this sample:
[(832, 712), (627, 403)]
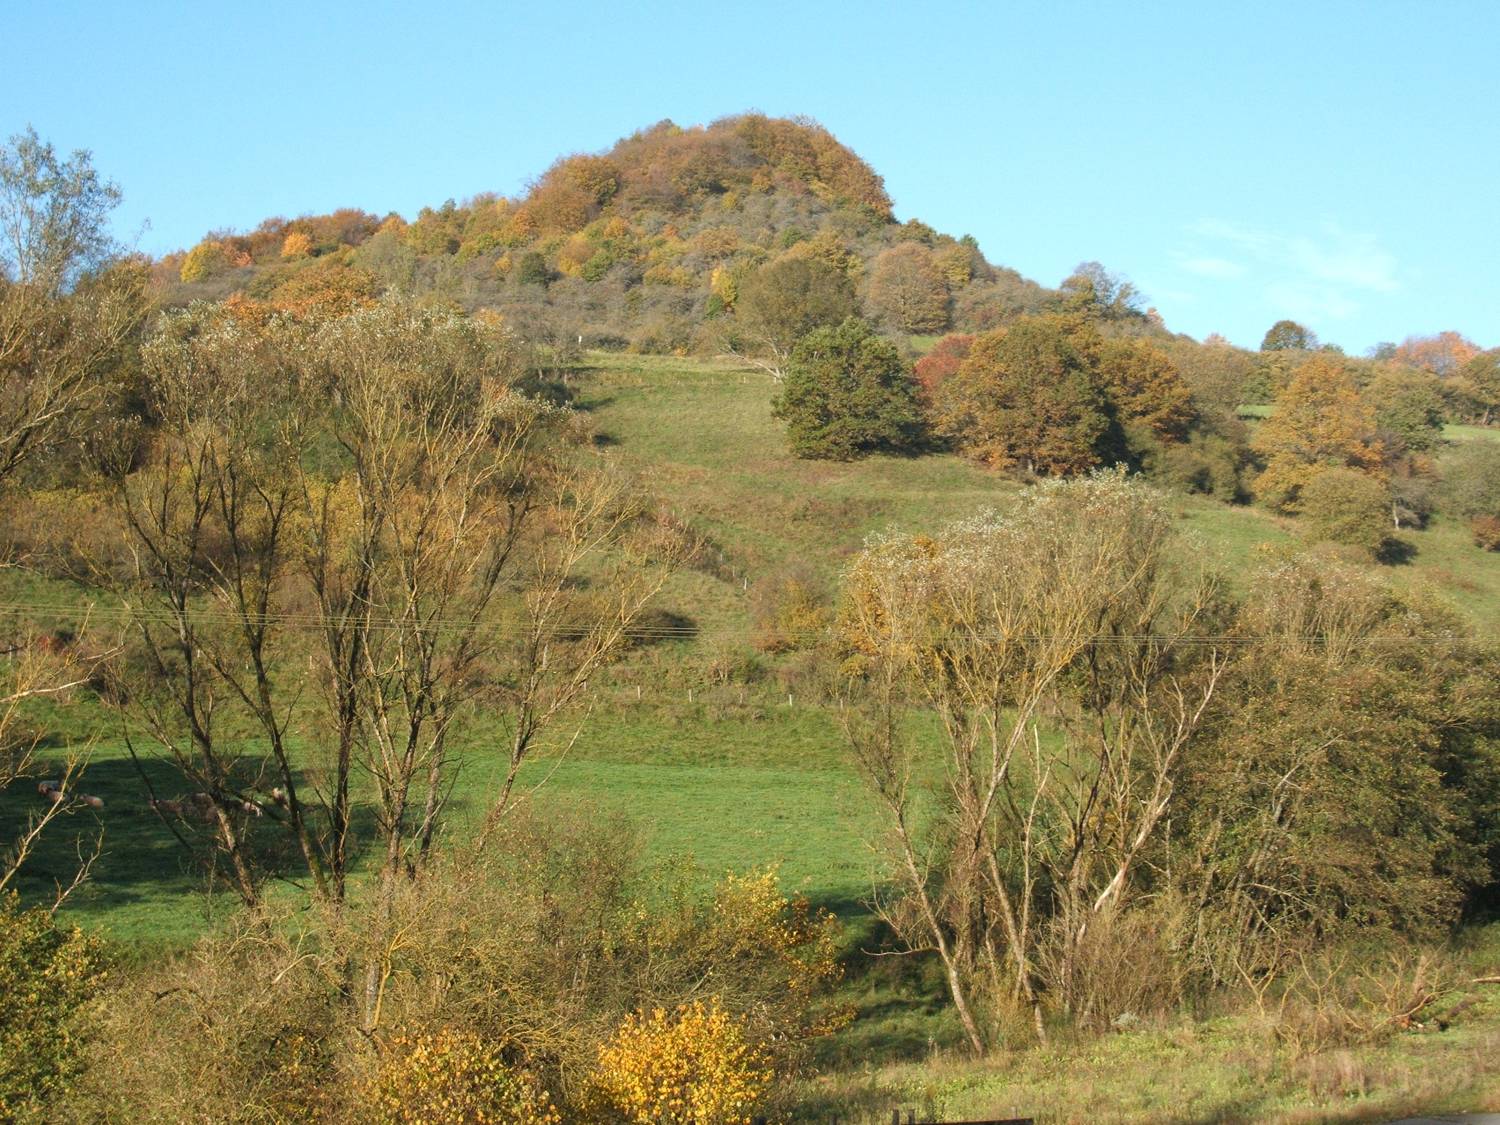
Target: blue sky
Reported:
[(1335, 163)]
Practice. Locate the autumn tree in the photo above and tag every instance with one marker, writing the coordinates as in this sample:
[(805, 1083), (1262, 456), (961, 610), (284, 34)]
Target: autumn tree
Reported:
[(54, 215), (433, 549), (1444, 354), (1091, 290), (1477, 387), (1143, 384), (1471, 480), (847, 392), (1343, 787), (1217, 375), (1029, 397), (1409, 411), (907, 290), (942, 362), (780, 303), (1348, 507), (1320, 420), (1288, 335)]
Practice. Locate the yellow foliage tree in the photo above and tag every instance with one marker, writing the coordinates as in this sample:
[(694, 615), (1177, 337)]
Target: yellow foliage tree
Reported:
[(1319, 421), (203, 261), (297, 244), (690, 1067), (575, 252), (723, 285), (956, 264)]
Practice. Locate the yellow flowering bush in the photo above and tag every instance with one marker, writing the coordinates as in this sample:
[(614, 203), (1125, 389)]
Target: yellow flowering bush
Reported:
[(693, 1066), (453, 1077), (47, 972)]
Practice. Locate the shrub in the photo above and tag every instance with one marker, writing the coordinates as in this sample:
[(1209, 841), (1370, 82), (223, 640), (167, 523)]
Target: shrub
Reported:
[(46, 973), (1486, 531), (1206, 463), (690, 1067), (790, 610), (451, 1077), (244, 1026), (1347, 507)]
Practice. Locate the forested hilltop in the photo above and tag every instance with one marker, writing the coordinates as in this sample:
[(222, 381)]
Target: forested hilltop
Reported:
[(644, 246)]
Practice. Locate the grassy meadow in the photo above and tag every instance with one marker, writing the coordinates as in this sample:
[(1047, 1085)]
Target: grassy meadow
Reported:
[(724, 754)]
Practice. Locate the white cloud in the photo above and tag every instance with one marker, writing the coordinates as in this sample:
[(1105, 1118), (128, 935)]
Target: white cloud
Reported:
[(1310, 300), (1221, 269), (1320, 275)]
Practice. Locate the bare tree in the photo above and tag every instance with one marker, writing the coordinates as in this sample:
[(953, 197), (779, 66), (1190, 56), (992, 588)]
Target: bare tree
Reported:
[(368, 498), (66, 309), (469, 554), (1049, 645)]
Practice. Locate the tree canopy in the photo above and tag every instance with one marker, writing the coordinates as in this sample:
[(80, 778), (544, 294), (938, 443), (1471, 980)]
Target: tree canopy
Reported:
[(847, 392)]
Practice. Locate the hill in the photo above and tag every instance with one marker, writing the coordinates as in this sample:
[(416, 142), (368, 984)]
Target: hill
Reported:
[(641, 246)]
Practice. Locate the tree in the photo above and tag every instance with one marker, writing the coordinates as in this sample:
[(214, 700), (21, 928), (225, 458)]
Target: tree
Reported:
[(1143, 384), (54, 215), (67, 305), (533, 270), (1409, 409), (1288, 335), (1095, 292), (942, 362), (380, 469), (68, 311), (1319, 420), (1343, 788), (847, 392), (1471, 480), (780, 303), (907, 290), (1477, 385), (1028, 396), (1443, 354)]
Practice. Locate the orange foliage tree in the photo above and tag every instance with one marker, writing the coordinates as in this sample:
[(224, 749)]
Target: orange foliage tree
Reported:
[(941, 363), (1319, 421), (1029, 396), (1444, 354)]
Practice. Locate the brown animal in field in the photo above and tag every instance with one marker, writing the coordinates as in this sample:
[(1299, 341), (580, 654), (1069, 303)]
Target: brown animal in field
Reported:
[(203, 806), (53, 792)]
